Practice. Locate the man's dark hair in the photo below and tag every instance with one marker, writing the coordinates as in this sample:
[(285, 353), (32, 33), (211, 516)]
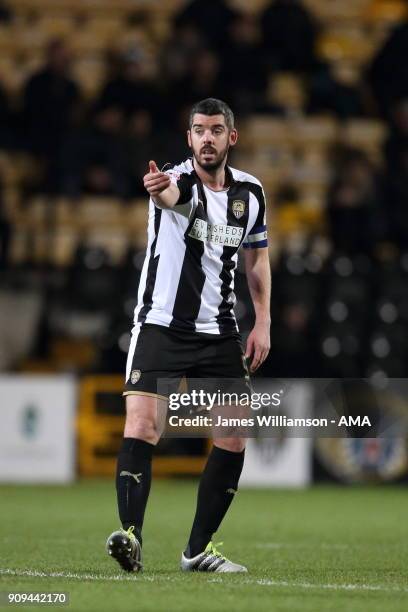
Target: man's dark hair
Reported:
[(212, 106)]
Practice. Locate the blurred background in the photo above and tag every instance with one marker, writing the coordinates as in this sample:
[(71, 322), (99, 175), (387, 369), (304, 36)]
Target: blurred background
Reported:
[(90, 90)]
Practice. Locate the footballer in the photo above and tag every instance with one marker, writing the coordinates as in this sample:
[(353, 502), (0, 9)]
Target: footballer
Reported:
[(201, 212)]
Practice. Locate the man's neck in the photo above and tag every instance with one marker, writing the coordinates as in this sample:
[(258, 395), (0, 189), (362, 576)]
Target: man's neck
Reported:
[(214, 179)]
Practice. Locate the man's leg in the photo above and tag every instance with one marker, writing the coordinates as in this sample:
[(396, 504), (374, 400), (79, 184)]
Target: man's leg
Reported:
[(133, 473), (218, 485), (133, 478), (219, 480)]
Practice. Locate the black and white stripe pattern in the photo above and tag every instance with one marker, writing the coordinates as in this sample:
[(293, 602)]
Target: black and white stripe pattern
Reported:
[(225, 317), (187, 280), (151, 271), (207, 562), (192, 278)]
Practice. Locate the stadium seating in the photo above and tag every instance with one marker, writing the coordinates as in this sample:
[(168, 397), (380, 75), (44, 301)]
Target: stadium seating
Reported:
[(285, 149)]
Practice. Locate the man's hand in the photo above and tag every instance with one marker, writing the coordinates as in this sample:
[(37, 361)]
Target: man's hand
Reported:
[(155, 181), (258, 345)]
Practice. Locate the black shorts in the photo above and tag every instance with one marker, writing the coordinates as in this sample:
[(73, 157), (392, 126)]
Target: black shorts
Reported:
[(157, 352)]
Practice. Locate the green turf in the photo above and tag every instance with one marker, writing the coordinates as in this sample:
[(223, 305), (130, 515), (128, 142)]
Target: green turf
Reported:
[(298, 546)]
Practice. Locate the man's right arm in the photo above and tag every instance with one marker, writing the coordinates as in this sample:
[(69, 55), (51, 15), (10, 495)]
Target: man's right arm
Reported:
[(163, 192)]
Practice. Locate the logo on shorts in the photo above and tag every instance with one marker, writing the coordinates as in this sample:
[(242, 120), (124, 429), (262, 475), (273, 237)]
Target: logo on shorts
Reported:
[(135, 376), (238, 208)]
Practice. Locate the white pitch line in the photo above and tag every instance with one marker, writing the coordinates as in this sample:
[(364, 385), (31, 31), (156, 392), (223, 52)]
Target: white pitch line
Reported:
[(217, 579), (38, 574), (334, 587)]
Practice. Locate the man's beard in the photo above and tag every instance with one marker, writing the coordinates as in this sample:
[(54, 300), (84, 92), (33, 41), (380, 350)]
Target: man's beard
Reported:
[(216, 163)]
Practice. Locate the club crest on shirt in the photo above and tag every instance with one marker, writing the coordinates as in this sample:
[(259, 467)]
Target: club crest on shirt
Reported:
[(238, 208), (135, 376)]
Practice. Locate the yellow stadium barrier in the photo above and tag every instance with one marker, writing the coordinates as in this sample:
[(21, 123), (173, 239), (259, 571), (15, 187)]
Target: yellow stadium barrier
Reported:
[(100, 429)]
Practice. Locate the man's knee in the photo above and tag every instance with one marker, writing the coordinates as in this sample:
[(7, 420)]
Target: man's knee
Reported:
[(142, 419), (141, 428)]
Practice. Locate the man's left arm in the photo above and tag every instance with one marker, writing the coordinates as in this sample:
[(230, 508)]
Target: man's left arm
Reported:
[(258, 273)]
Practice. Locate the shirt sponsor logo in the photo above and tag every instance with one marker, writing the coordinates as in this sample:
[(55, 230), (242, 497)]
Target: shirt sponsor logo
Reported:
[(224, 235)]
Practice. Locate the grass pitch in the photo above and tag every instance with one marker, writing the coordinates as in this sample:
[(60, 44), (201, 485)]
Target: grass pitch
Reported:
[(325, 548)]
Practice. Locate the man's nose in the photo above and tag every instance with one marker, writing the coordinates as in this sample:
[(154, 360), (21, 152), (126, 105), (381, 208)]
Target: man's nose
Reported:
[(208, 136)]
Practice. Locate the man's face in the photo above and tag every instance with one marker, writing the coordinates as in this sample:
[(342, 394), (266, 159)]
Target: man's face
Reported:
[(210, 139)]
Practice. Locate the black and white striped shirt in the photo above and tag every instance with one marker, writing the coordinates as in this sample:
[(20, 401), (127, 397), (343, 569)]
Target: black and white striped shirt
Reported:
[(187, 280)]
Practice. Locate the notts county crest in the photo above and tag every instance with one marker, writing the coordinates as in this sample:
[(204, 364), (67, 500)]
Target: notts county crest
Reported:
[(238, 208), (135, 376)]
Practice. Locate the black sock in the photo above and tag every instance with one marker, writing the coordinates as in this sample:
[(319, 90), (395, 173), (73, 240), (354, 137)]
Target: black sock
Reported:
[(218, 484), (133, 479)]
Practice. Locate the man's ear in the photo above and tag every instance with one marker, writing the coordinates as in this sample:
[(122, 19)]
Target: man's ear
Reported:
[(233, 137), (189, 138)]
